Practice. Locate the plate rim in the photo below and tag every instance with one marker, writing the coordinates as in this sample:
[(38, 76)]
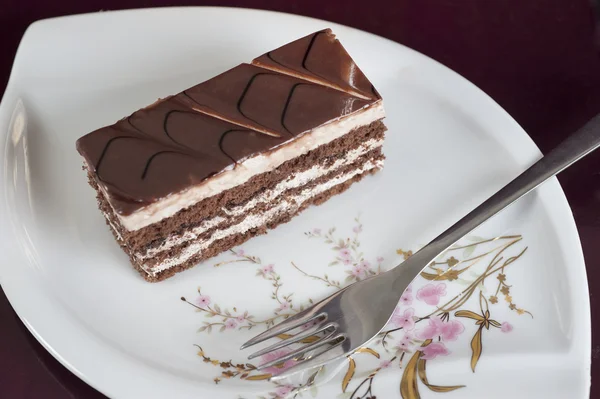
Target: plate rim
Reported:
[(565, 213)]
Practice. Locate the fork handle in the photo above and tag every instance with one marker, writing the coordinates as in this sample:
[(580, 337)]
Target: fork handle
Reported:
[(582, 142)]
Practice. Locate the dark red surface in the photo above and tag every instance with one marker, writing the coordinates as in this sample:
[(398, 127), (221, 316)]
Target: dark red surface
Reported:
[(540, 59)]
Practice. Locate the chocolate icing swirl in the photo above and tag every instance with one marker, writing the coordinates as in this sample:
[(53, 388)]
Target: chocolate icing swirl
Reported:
[(182, 140)]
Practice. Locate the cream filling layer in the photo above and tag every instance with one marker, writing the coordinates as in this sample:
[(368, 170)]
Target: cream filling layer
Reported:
[(256, 220), (112, 226), (298, 180), (243, 171)]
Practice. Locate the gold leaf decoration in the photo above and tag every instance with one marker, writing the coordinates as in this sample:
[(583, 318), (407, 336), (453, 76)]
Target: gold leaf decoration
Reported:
[(495, 323), (452, 261), (349, 374), (259, 377), (435, 388), (476, 347), (449, 275), (405, 254), (408, 386), (307, 340), (430, 276), (469, 314), (368, 350)]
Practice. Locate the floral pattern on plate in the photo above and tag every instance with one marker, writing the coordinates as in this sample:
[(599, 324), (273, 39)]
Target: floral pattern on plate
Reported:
[(461, 288)]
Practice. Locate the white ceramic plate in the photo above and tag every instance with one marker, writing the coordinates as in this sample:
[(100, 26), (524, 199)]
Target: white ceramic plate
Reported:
[(448, 147)]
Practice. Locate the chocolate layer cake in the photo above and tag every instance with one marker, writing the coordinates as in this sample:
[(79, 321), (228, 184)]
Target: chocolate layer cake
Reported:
[(204, 170)]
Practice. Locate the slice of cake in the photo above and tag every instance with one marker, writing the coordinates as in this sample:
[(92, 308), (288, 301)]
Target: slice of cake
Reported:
[(197, 173)]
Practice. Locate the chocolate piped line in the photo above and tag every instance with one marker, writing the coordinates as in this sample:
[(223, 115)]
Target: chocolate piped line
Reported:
[(331, 84), (166, 120), (308, 48), (193, 113), (149, 137), (272, 59), (287, 103), (323, 80), (105, 149), (243, 96), (216, 115), (156, 155), (223, 135)]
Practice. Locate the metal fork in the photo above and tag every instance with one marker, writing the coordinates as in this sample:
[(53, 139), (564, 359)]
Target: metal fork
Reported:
[(348, 319)]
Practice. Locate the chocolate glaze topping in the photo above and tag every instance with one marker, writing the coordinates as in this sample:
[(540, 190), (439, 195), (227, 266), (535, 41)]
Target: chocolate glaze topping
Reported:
[(322, 59), (182, 140)]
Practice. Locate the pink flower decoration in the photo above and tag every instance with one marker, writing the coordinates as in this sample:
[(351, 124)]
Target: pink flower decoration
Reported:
[(364, 265), (451, 330), (240, 252), (405, 344), (434, 349), (276, 355), (345, 253), (404, 319), (203, 301), (357, 229), (407, 338), (358, 272), (431, 294), (285, 305), (406, 299), (437, 328), (283, 391), (268, 269), (431, 330), (379, 259), (316, 231), (385, 364), (506, 327), (230, 323), (408, 289), (240, 318), (346, 261)]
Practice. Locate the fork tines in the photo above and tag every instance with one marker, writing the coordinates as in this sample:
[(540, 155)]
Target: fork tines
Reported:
[(324, 335)]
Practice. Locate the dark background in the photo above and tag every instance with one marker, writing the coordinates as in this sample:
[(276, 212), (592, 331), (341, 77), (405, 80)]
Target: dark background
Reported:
[(540, 59)]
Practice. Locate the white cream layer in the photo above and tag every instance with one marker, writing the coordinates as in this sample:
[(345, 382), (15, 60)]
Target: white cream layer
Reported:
[(245, 170), (256, 220), (112, 226), (298, 180)]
